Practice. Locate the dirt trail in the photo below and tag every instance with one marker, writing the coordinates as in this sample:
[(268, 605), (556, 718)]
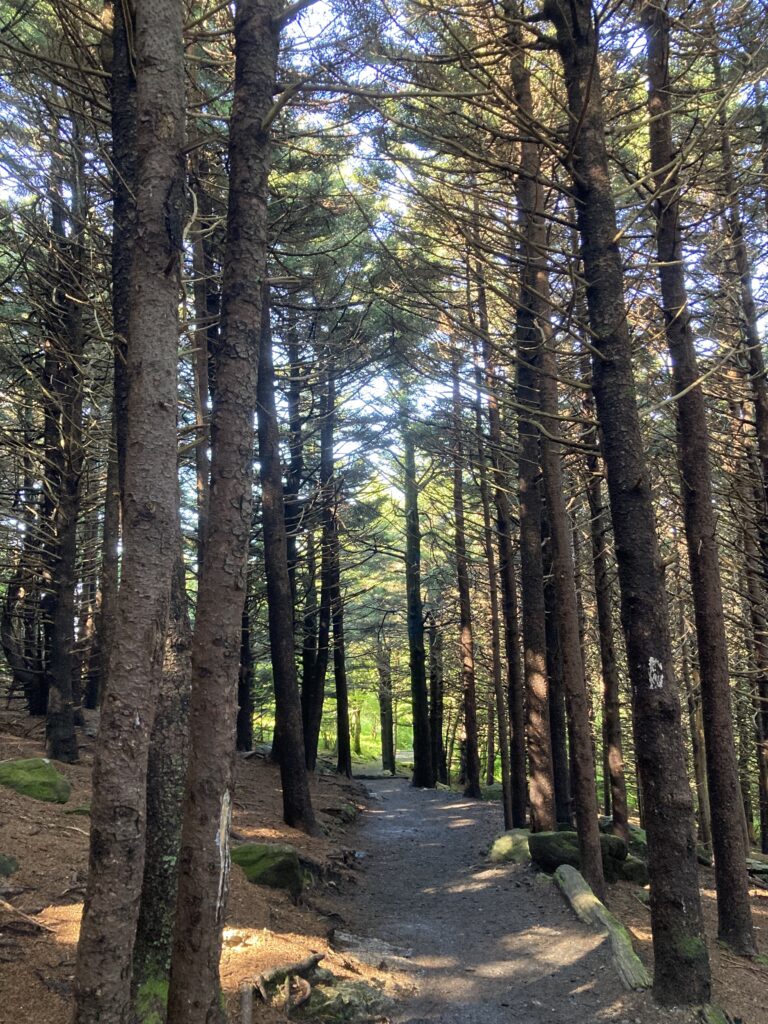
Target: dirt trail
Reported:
[(491, 944)]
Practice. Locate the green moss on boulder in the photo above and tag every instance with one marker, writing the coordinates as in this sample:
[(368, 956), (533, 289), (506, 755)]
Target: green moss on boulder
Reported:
[(510, 847), (273, 864), (551, 849), (492, 792), (633, 870), (35, 777)]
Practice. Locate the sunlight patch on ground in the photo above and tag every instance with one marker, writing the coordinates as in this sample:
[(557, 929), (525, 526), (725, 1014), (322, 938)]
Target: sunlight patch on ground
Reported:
[(64, 922)]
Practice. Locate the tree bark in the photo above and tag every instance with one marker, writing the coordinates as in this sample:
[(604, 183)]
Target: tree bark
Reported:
[(167, 768), (515, 687), (423, 774), (118, 809), (583, 781), (194, 996), (297, 802), (680, 954), (384, 670), (436, 701), (313, 689), (493, 594), (466, 643), (734, 910), (541, 794)]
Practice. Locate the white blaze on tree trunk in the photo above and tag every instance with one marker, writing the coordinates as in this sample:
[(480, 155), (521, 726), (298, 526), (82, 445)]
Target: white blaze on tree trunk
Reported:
[(222, 842), (655, 674)]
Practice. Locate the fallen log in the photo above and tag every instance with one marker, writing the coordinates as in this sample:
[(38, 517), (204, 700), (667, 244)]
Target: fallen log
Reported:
[(278, 975), (591, 911)]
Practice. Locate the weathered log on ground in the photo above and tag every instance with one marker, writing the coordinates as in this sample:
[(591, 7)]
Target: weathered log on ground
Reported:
[(275, 977), (591, 911)]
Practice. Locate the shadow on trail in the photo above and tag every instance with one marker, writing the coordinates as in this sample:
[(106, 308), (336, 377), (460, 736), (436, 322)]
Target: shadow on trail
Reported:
[(490, 943)]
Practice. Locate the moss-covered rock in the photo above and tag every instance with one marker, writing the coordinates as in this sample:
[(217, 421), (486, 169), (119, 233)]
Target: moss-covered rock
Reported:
[(510, 847), (492, 792), (346, 1002), (35, 777), (273, 864), (632, 870), (757, 867), (551, 849), (7, 865)]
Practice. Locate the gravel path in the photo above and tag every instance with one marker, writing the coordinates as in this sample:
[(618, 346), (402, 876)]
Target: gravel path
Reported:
[(490, 944)]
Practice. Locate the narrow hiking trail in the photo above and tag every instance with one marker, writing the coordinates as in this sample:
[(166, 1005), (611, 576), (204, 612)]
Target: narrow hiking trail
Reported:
[(490, 944)]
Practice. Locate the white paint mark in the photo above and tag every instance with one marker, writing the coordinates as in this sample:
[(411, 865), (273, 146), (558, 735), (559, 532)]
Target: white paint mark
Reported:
[(137, 721), (655, 674), (222, 843)]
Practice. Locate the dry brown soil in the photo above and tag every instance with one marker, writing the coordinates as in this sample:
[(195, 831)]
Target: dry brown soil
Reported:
[(489, 944)]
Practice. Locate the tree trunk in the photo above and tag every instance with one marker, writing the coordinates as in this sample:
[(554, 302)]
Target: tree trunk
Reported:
[(436, 697), (297, 803), (558, 728), (695, 722), (167, 767), (541, 793), (612, 742), (194, 995), (423, 774), (118, 808), (313, 695), (680, 954), (343, 749), (515, 688), (244, 724), (493, 593), (110, 562), (734, 911), (384, 669), (563, 584), (63, 465), (471, 780)]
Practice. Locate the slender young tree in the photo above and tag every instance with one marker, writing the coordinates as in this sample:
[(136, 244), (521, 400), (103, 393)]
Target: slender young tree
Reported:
[(423, 773), (471, 756), (297, 802)]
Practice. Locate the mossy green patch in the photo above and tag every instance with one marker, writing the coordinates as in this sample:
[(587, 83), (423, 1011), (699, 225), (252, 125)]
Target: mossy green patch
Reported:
[(151, 1001), (273, 864), (83, 809), (691, 947), (492, 792), (551, 849), (35, 777), (633, 870), (510, 847)]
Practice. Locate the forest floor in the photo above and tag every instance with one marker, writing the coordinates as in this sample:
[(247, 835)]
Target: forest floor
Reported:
[(478, 943), (497, 944)]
